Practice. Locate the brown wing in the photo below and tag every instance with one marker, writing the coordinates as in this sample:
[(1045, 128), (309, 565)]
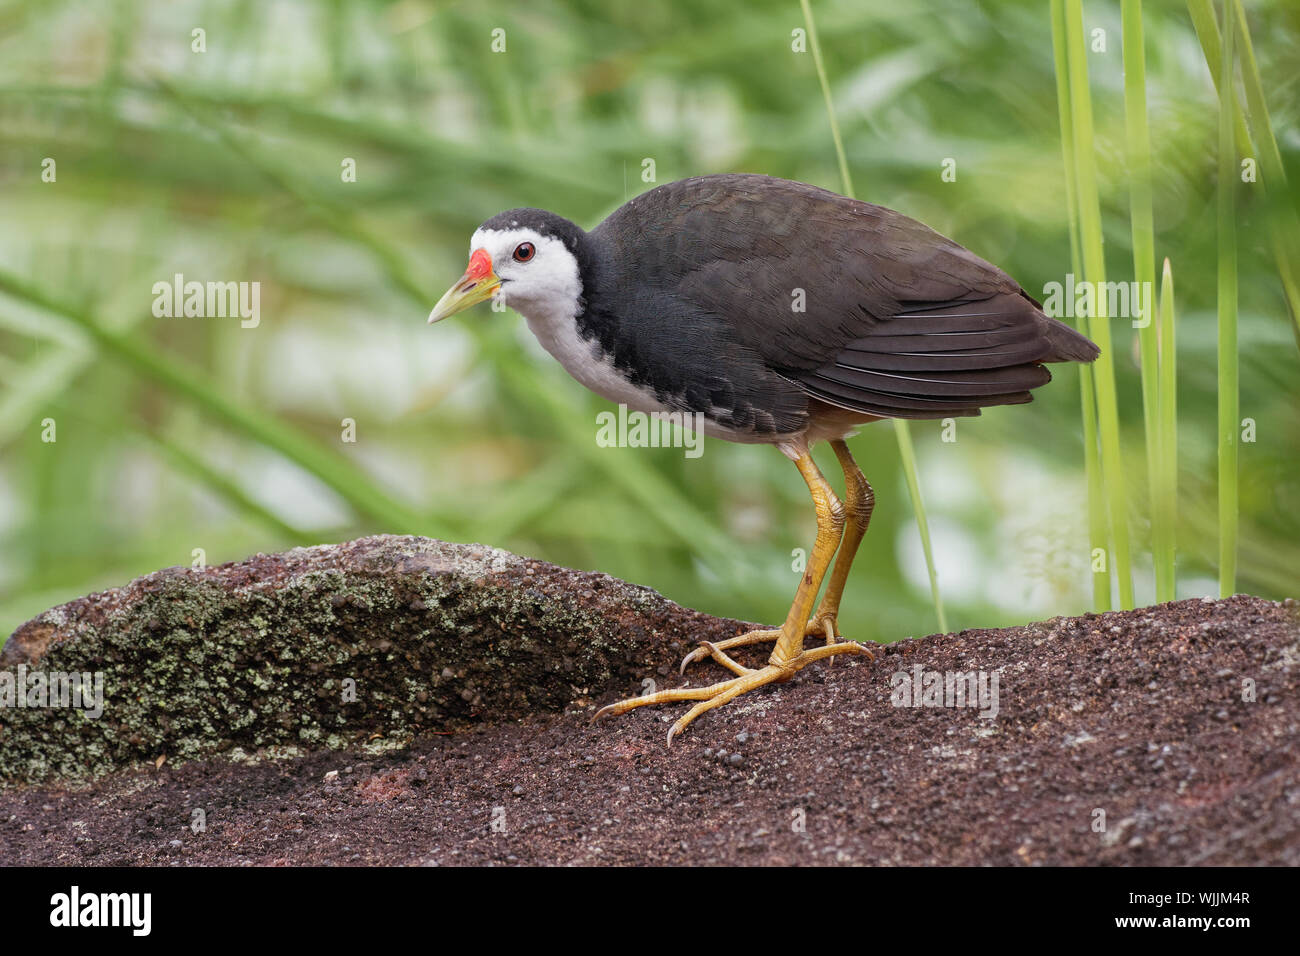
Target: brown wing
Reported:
[(946, 359), (897, 320)]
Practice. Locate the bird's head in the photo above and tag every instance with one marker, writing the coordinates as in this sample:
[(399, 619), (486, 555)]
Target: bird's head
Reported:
[(528, 258)]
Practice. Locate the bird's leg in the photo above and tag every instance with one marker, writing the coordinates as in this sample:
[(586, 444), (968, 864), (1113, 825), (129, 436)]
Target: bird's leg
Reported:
[(830, 529), (830, 524), (859, 500), (789, 656)]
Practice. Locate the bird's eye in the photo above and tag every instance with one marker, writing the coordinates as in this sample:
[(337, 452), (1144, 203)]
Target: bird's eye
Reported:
[(524, 251)]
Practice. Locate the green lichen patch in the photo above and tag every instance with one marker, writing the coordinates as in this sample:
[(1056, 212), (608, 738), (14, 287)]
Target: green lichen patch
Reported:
[(372, 643)]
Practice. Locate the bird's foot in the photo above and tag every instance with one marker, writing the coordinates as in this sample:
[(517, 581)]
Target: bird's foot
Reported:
[(822, 625), (715, 695), (825, 624), (718, 651)]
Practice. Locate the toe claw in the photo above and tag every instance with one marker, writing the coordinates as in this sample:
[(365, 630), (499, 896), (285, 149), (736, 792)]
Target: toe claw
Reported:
[(697, 654), (715, 695)]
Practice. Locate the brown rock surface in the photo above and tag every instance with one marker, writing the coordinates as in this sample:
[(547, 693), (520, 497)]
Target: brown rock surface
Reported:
[(1176, 725)]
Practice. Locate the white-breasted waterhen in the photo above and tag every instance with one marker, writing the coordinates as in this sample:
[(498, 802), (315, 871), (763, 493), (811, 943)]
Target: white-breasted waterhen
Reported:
[(687, 299)]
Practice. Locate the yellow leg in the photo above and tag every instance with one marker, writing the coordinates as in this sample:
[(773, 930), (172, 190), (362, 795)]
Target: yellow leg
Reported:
[(788, 656), (859, 500), (830, 528)]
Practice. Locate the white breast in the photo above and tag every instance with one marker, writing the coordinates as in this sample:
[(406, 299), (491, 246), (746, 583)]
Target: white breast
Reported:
[(586, 362)]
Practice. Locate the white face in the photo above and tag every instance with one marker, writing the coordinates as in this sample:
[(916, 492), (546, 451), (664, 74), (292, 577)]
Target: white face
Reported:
[(545, 285)]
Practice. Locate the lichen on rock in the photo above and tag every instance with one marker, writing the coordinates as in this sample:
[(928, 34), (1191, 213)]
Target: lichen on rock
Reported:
[(373, 641)]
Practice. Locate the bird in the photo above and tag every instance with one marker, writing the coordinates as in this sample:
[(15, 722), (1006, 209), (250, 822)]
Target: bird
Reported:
[(774, 312)]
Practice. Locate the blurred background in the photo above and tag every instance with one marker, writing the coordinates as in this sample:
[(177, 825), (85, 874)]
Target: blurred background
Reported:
[(231, 163)]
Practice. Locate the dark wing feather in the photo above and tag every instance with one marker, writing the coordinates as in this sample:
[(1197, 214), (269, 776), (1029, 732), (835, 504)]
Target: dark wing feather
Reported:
[(954, 359), (898, 320)]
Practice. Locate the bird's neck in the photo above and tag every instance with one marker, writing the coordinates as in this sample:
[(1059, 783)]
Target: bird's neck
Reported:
[(552, 309), (583, 334)]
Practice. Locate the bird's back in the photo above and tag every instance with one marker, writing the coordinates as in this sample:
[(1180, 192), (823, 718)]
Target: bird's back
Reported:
[(778, 292)]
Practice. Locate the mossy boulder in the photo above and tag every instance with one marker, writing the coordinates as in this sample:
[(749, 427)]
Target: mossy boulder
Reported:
[(368, 643)]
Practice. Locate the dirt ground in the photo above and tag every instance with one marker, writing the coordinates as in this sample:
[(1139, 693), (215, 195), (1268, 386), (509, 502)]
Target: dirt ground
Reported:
[(1166, 735)]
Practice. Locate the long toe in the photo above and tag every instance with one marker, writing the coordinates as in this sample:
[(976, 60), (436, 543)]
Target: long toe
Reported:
[(715, 695), (707, 649)]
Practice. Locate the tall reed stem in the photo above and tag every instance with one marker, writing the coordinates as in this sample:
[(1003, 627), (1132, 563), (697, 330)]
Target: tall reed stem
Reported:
[(1141, 222), (1097, 536), (1094, 268), (1165, 510), (1228, 363)]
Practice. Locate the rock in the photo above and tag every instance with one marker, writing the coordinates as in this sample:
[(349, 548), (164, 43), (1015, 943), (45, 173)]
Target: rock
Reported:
[(222, 670), (329, 647)]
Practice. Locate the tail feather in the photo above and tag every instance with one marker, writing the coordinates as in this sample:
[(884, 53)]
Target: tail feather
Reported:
[(1067, 345)]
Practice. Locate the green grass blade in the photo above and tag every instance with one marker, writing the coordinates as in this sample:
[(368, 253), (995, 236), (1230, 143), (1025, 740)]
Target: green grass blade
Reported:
[(1283, 222), (1141, 221), (1207, 32), (840, 156), (1094, 268), (908, 456), (1164, 514), (902, 430), (1229, 397), (1101, 580)]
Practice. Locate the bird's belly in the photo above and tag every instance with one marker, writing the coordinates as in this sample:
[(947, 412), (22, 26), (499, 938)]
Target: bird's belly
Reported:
[(589, 364)]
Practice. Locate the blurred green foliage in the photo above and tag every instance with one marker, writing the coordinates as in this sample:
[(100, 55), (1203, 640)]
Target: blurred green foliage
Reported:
[(176, 434)]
